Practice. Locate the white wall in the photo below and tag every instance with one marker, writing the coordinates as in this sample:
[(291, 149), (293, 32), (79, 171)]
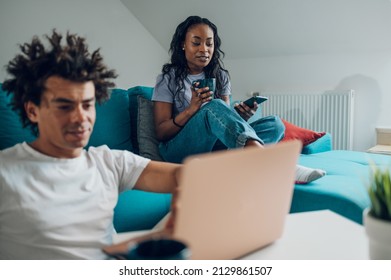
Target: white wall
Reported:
[(128, 47), (125, 44), (300, 45), (369, 74)]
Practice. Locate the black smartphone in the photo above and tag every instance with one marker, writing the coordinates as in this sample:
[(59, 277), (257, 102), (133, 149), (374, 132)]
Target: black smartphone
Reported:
[(259, 99)]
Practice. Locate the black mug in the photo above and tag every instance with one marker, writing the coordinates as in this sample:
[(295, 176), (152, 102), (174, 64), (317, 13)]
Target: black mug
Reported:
[(159, 249), (208, 82)]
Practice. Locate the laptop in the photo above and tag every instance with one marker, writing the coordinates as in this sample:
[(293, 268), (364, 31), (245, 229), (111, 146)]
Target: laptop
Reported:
[(234, 202), (230, 203)]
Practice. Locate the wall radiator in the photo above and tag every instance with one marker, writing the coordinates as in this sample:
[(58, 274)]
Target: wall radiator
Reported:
[(329, 111)]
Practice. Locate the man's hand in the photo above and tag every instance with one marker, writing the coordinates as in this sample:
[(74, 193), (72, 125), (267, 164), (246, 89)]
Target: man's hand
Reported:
[(120, 250), (164, 229), (170, 224)]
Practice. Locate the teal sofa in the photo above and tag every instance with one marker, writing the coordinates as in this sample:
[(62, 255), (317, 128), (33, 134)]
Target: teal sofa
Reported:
[(116, 126), (125, 122)]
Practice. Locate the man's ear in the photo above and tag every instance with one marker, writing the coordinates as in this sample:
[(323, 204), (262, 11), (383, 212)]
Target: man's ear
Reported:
[(31, 111)]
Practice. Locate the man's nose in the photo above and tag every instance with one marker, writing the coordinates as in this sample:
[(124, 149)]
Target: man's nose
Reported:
[(79, 114)]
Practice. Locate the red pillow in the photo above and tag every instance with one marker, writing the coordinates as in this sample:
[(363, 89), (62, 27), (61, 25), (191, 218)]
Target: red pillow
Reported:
[(295, 132)]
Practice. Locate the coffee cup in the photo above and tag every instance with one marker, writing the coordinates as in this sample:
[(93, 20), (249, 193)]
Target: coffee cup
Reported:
[(159, 249), (208, 82)]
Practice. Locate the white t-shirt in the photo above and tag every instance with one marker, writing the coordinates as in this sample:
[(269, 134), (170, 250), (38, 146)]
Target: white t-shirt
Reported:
[(54, 208)]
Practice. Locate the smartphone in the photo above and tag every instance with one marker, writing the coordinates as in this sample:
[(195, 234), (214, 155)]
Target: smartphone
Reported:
[(259, 99)]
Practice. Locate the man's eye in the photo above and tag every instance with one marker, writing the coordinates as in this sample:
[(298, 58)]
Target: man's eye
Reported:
[(87, 106)]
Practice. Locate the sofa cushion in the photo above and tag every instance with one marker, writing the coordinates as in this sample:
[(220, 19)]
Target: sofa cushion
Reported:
[(344, 188), (11, 129), (322, 144), (113, 125), (139, 210), (133, 92), (146, 136)]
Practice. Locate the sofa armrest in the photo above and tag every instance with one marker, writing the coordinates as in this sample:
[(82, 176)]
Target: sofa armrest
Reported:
[(323, 144)]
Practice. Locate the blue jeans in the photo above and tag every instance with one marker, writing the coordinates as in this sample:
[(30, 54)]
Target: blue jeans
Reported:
[(216, 126)]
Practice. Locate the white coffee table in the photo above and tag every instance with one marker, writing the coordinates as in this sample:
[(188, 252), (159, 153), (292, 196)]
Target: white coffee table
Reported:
[(316, 235)]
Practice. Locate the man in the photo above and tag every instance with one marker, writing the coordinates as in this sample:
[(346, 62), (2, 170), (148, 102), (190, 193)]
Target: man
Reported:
[(57, 199)]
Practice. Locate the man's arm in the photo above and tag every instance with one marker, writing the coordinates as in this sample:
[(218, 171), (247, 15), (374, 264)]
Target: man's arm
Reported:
[(156, 177), (162, 177)]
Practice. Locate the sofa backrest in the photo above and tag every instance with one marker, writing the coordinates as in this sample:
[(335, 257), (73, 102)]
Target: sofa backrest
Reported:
[(112, 125), (115, 126), (11, 129)]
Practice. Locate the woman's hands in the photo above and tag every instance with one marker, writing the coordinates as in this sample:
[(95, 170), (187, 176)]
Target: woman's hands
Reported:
[(244, 111), (199, 97)]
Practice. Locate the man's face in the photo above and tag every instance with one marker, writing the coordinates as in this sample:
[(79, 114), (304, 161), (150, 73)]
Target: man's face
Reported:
[(65, 117)]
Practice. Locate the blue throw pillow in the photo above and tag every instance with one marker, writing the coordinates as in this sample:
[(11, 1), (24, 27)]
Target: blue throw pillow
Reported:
[(322, 144), (11, 129), (112, 126)]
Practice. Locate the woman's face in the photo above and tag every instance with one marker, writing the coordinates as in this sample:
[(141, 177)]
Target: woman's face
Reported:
[(198, 47)]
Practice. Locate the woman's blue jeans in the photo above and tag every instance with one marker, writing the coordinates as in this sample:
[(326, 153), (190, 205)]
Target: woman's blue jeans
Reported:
[(215, 124)]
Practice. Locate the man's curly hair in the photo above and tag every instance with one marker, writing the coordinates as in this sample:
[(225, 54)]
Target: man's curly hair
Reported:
[(71, 61)]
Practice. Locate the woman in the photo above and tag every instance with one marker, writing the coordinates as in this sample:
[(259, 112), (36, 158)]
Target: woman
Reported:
[(188, 120)]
